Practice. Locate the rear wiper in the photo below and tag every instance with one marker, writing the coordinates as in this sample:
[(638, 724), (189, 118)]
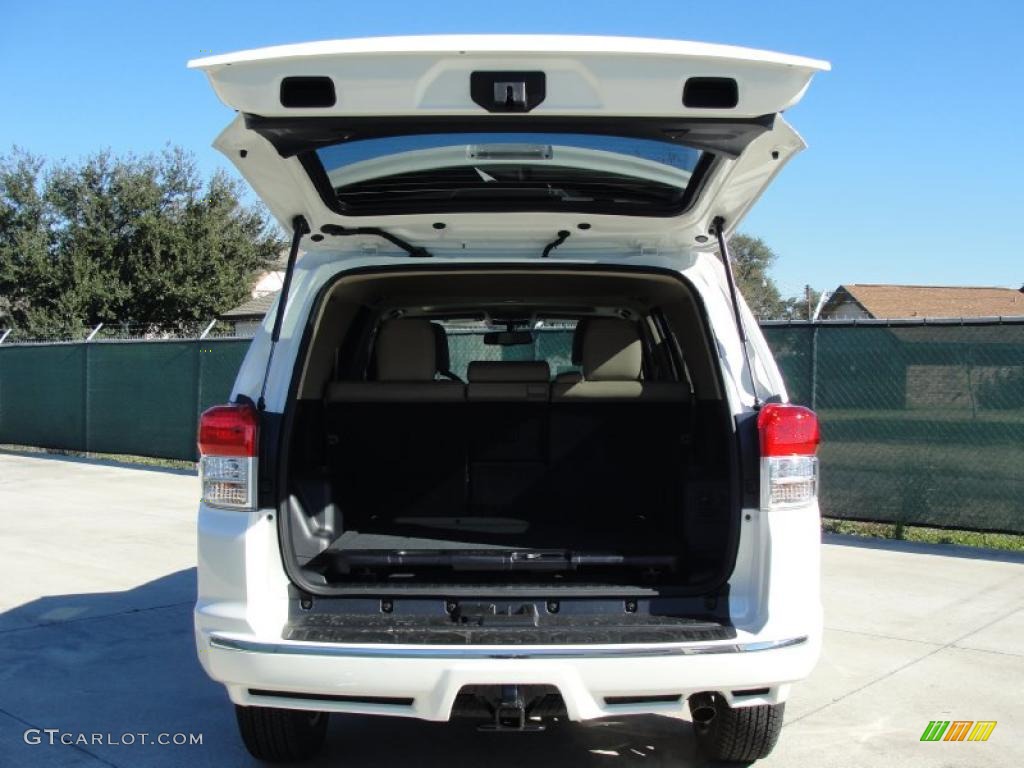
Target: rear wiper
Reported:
[(549, 560), (340, 231), (563, 235)]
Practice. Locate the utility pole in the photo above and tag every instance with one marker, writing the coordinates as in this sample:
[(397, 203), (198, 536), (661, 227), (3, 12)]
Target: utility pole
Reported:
[(810, 303)]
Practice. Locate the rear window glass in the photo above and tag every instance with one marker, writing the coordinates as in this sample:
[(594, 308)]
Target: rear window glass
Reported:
[(551, 342), (499, 171)]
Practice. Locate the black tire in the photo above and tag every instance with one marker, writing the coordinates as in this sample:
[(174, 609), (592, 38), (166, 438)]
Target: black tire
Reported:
[(281, 735), (741, 734)]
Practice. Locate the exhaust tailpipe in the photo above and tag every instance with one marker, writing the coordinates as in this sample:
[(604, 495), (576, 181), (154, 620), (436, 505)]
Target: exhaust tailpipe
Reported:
[(702, 708)]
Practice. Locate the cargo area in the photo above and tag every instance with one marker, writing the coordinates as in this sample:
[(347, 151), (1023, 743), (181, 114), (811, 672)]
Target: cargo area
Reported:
[(551, 432)]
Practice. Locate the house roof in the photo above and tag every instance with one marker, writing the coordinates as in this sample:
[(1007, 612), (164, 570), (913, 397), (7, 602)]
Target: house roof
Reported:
[(880, 301), (907, 301), (255, 308)]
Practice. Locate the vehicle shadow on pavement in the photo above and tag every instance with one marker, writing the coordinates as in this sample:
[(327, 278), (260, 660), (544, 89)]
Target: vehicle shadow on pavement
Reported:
[(371, 741), (117, 663)]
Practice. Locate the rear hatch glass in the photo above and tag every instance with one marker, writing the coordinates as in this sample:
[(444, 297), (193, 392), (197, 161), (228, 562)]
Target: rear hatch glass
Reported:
[(461, 172)]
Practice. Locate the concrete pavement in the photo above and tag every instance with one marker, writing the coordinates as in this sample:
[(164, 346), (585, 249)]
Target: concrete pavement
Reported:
[(98, 579)]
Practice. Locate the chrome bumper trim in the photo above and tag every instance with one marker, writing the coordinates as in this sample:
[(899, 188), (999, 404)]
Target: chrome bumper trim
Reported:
[(230, 643)]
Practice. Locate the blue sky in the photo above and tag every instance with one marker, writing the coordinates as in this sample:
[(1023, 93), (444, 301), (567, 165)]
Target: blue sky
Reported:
[(914, 172)]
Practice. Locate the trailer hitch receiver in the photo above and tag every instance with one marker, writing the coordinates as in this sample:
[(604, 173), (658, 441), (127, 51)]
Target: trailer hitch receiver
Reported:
[(510, 713)]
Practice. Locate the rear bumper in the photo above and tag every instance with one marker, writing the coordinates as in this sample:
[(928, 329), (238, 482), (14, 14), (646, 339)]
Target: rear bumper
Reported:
[(423, 681), (244, 602)]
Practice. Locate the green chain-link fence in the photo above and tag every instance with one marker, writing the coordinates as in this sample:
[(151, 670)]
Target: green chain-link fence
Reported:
[(140, 398), (921, 423)]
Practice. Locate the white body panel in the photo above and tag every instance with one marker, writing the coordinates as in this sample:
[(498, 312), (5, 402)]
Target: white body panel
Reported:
[(243, 589), (587, 77), (774, 599), (243, 600)]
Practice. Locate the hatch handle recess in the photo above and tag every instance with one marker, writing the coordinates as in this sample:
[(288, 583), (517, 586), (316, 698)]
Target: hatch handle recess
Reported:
[(508, 91), (723, 251), (300, 227)]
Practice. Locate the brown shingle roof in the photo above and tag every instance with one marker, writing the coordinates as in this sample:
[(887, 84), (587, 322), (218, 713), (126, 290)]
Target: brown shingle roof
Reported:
[(253, 308), (904, 301)]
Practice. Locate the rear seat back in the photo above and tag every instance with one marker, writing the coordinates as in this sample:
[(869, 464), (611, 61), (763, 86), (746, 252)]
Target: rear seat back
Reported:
[(609, 424), (505, 444), (401, 426), (509, 381), (507, 428)]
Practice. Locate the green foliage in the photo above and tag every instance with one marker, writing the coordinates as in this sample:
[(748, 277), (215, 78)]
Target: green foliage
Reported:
[(143, 240), (140, 240), (752, 260), (1007, 541)]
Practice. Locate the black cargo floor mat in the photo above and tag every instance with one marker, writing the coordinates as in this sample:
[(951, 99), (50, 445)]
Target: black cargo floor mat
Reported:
[(351, 540)]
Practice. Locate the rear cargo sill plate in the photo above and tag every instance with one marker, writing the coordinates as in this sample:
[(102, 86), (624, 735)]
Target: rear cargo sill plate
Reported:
[(230, 643)]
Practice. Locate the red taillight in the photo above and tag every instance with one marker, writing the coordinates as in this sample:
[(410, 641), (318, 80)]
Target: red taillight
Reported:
[(227, 462), (228, 430), (788, 430)]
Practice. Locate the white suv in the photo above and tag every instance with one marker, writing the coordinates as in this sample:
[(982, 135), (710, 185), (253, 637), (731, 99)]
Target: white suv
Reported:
[(510, 446)]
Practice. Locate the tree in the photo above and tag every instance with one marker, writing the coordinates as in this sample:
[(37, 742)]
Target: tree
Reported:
[(139, 240), (752, 260)]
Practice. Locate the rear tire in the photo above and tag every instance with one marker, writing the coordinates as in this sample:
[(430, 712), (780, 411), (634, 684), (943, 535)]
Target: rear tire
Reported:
[(281, 735), (741, 734)]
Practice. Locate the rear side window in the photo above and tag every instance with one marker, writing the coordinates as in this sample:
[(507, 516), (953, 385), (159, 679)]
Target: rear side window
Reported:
[(549, 341)]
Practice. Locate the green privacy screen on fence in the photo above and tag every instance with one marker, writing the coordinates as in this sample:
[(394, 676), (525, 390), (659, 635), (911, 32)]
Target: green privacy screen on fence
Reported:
[(138, 398), (921, 423)]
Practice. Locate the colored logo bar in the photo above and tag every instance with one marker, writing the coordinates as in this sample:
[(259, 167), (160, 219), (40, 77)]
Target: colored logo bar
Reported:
[(958, 730)]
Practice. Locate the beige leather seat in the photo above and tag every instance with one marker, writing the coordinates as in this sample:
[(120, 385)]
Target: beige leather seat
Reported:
[(511, 381), (406, 352), (612, 365)]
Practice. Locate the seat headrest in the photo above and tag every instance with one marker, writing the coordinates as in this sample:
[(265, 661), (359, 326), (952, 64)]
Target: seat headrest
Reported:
[(611, 350), (406, 351), (481, 371)]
